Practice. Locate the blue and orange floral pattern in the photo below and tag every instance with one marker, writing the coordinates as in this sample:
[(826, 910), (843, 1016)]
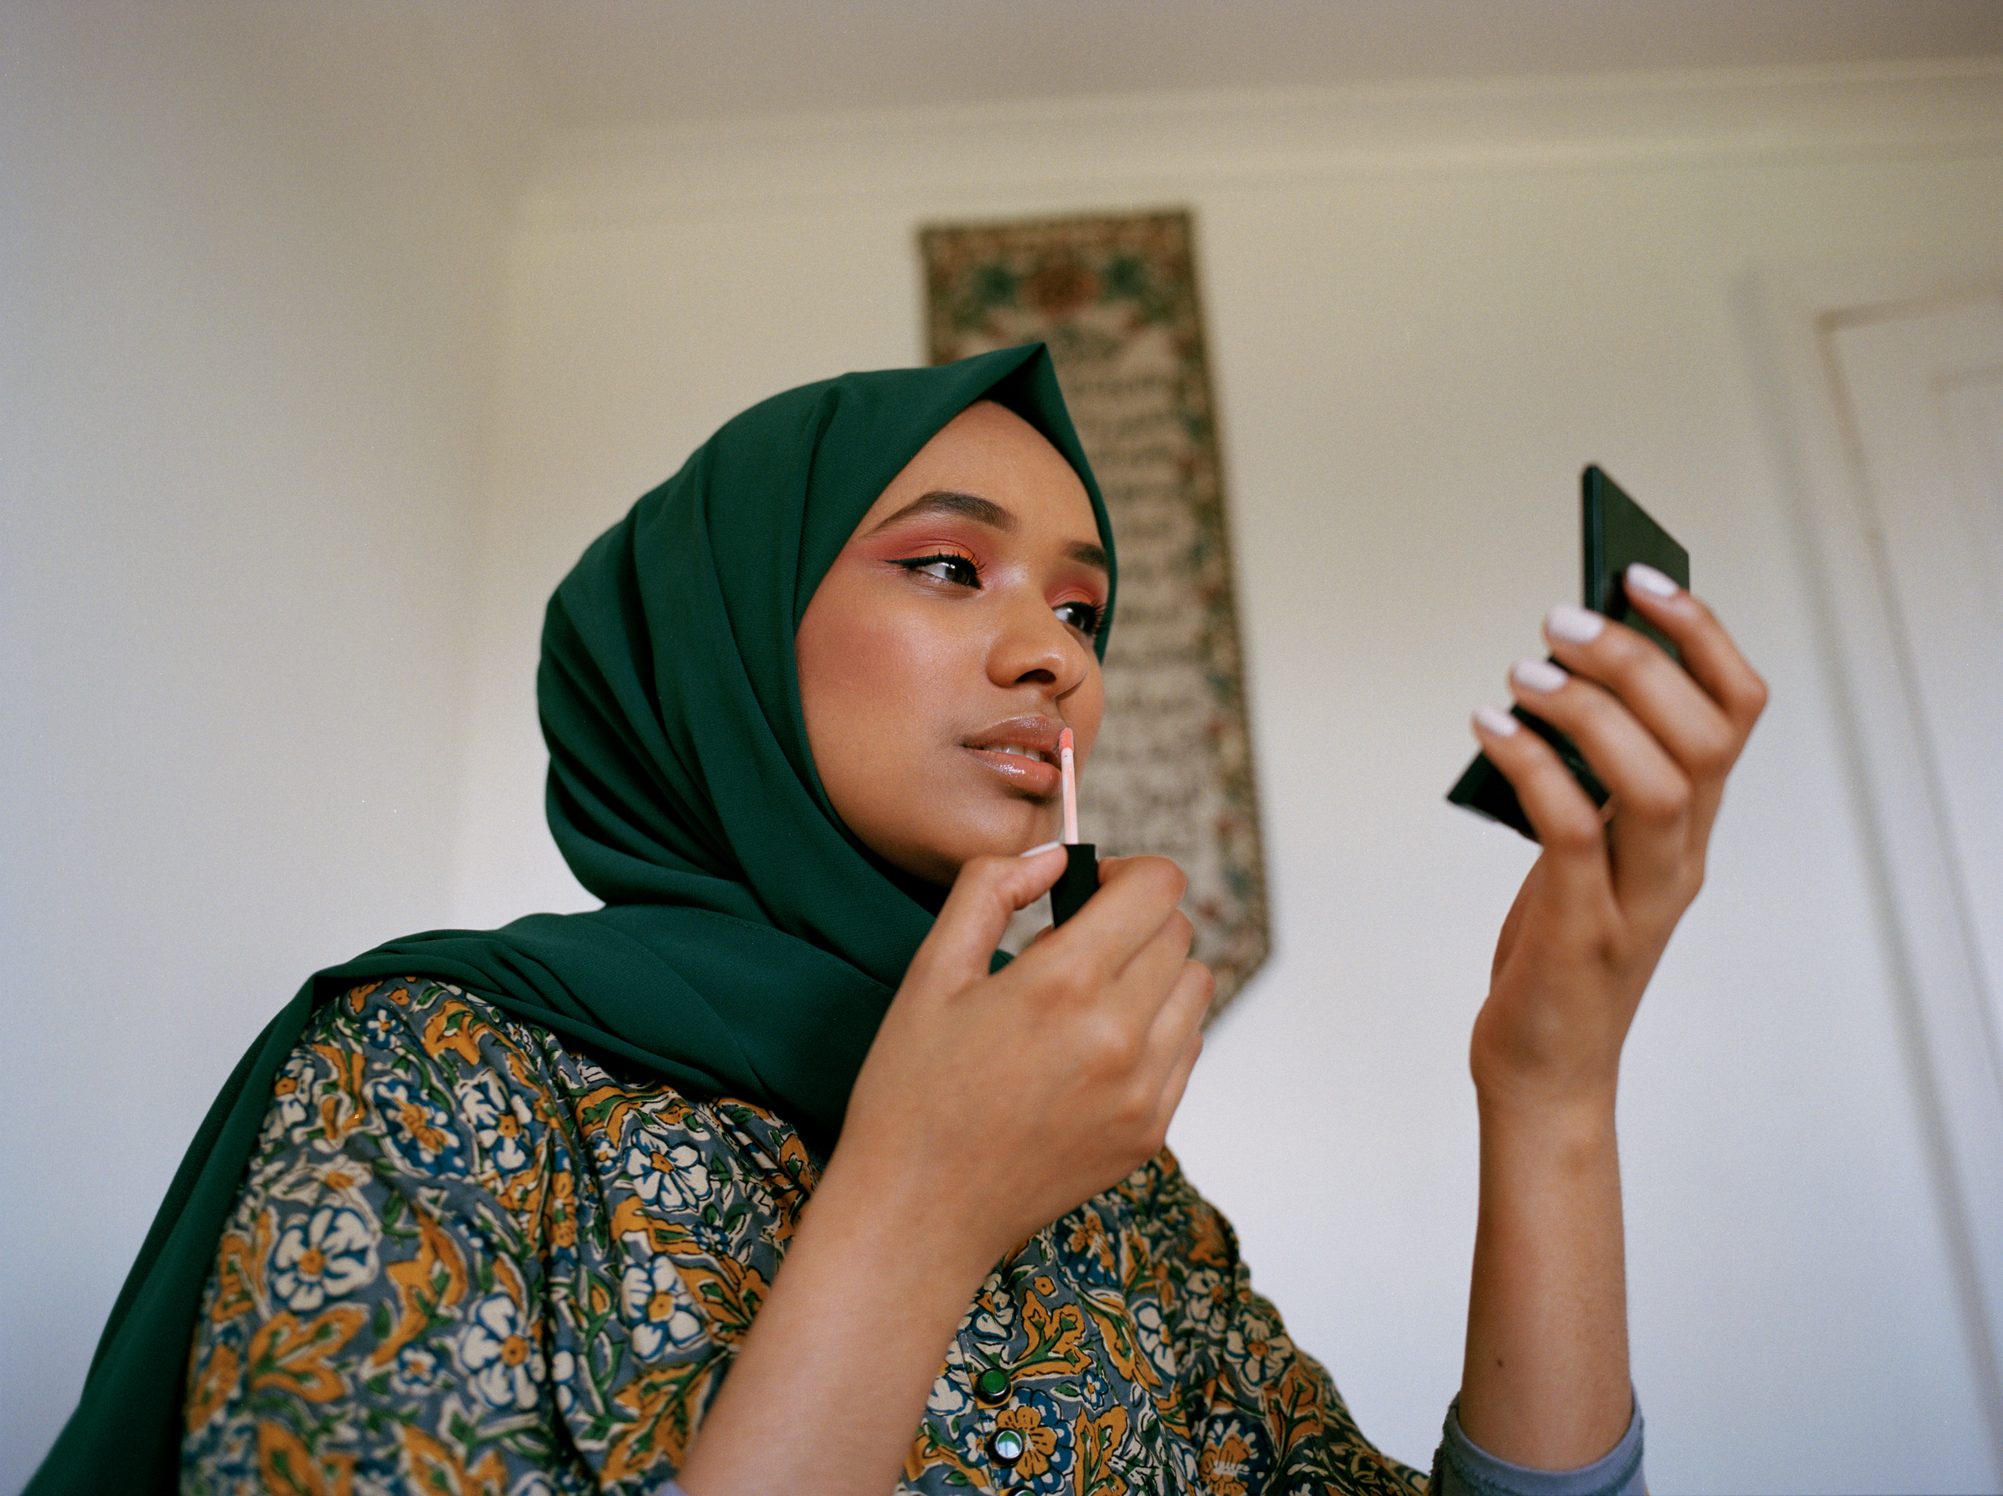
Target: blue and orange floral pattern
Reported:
[(466, 1258)]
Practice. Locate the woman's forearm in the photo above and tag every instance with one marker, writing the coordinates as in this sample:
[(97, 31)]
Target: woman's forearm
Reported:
[(1545, 1381), (828, 1387)]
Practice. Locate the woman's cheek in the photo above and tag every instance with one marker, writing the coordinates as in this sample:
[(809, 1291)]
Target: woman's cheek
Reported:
[(837, 638), (879, 682), (905, 652)]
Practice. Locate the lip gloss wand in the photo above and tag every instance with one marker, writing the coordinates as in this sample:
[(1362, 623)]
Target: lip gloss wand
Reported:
[(1080, 877)]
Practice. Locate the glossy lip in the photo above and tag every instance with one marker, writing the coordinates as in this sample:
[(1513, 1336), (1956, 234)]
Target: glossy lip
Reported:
[(1040, 779)]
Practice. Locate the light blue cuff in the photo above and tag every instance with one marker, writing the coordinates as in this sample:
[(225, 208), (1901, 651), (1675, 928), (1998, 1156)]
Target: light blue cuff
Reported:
[(1464, 1468), (672, 1488)]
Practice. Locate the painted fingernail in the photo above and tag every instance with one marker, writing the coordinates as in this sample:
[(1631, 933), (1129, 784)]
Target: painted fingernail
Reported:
[(1495, 720), (1573, 624), (1044, 848), (1648, 579), (1538, 675)]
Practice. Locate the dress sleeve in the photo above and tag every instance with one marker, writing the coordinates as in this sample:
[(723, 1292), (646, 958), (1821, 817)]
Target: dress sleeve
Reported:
[(373, 1314), (1262, 1411)]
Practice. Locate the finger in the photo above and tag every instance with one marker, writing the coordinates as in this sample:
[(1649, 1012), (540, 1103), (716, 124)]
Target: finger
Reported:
[(1135, 896), (1138, 992), (1664, 697), (1713, 660), (1184, 1018), (1183, 1010), (985, 896), (1563, 815), (1649, 832), (1709, 653)]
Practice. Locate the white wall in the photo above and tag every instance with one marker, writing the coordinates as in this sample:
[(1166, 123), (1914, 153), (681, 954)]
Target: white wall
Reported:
[(1427, 309), (273, 706), (250, 269)]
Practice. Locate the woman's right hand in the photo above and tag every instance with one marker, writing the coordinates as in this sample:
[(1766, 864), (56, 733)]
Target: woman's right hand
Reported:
[(992, 1103)]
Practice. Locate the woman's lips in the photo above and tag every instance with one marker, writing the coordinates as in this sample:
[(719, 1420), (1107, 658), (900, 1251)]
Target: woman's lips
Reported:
[(1039, 778)]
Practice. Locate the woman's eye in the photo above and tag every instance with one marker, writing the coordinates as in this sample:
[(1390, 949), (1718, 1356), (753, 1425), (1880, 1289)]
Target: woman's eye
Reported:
[(972, 572), (1087, 622)]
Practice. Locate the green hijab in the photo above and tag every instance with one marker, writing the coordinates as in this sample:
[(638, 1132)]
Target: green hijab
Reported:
[(749, 944)]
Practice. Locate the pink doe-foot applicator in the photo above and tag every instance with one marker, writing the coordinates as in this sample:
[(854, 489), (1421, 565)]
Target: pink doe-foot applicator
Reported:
[(1081, 859)]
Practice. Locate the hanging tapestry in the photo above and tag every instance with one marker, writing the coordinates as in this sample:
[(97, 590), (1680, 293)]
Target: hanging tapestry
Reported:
[(1115, 299)]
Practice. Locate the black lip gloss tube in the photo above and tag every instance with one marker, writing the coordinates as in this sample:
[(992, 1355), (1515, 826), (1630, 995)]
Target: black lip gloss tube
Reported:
[(1077, 883)]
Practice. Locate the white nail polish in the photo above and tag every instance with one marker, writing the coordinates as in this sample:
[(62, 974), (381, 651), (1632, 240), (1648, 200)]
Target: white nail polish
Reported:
[(1539, 675), (1496, 721), (1648, 579), (1573, 624), (1044, 848)]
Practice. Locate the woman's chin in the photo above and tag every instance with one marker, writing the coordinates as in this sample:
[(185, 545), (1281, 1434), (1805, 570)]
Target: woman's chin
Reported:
[(1013, 835)]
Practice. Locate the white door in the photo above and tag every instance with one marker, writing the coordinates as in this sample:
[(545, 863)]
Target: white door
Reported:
[(1924, 389), (1890, 388)]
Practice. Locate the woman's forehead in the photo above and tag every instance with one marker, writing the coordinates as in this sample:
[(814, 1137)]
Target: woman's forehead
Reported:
[(990, 452)]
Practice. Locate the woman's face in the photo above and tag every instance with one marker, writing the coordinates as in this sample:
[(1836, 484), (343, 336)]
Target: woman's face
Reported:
[(962, 610)]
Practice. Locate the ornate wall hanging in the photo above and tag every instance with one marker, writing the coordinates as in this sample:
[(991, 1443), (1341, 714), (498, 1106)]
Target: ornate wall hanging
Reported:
[(1115, 299)]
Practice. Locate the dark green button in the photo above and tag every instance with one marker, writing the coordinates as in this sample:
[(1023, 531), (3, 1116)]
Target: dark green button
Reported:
[(1007, 1446), (991, 1386)]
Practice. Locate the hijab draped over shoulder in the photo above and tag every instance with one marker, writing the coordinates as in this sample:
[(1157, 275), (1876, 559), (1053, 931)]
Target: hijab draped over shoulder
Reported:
[(749, 943)]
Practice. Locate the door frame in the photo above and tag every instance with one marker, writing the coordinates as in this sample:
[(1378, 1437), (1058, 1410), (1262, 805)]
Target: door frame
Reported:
[(1789, 312)]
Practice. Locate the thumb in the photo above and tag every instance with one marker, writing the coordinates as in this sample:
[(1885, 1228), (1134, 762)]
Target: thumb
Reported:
[(976, 913)]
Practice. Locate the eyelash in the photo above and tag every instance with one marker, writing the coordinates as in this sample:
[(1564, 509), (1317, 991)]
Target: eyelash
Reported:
[(1090, 631)]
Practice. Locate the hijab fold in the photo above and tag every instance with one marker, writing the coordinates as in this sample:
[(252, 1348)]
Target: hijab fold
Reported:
[(748, 944)]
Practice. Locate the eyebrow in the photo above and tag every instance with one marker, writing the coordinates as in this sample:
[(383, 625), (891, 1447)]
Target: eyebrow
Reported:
[(988, 512)]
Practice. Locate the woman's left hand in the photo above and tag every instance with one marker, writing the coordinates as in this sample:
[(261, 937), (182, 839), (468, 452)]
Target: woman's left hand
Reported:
[(1600, 903)]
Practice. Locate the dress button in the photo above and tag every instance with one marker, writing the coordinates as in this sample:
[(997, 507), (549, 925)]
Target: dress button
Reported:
[(1007, 1446), (991, 1386)]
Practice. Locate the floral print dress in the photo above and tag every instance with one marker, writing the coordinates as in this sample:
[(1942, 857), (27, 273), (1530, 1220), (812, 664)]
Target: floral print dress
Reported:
[(465, 1258)]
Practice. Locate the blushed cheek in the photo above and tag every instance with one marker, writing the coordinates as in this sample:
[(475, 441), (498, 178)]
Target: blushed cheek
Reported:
[(867, 656), (876, 684), (900, 677)]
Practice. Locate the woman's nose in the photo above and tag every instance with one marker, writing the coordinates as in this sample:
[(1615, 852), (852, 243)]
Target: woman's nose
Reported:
[(1037, 643)]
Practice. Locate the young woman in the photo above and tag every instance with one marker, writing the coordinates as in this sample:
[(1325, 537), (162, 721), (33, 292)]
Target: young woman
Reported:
[(773, 1174)]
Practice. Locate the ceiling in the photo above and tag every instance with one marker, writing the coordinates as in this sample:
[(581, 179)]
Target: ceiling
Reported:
[(596, 63)]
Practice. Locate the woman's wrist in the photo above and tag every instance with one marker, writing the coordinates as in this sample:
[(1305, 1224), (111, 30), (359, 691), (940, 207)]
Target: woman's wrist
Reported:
[(1550, 1101), (903, 1203), (864, 1268), (1545, 1130)]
